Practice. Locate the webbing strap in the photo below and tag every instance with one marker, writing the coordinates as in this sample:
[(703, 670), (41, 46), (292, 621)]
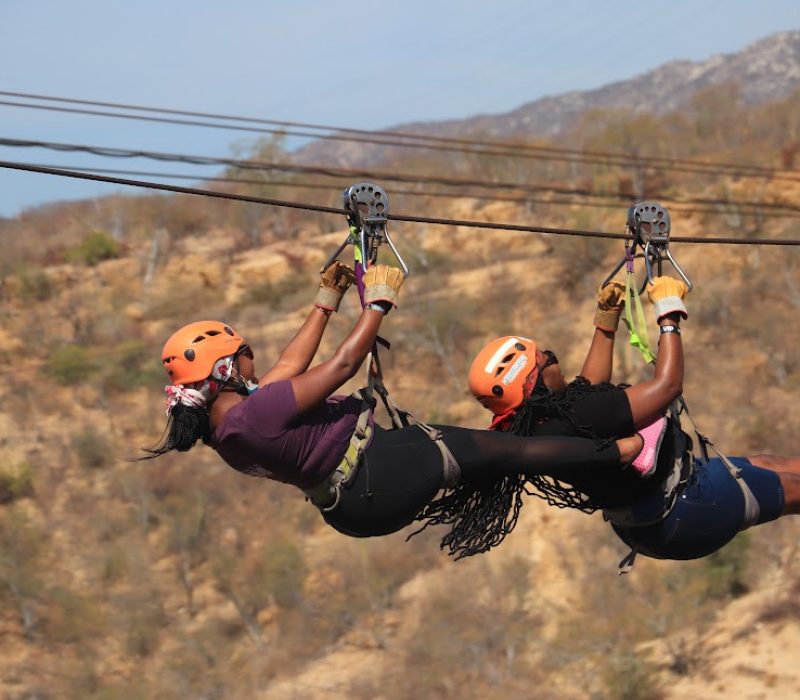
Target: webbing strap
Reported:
[(450, 466), (752, 509), (628, 561), (401, 418), (635, 321)]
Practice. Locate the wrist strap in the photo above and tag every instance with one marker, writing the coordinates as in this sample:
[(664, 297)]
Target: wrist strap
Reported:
[(669, 329)]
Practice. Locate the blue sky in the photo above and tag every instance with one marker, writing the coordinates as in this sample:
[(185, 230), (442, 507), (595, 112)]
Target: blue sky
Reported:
[(367, 65)]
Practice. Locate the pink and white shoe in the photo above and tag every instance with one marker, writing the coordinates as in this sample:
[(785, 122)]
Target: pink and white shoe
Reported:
[(652, 435)]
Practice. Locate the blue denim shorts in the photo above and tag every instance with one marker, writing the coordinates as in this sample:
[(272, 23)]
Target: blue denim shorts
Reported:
[(708, 513)]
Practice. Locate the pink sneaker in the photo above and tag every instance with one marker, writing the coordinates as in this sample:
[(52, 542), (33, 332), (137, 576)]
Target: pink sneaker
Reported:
[(646, 461)]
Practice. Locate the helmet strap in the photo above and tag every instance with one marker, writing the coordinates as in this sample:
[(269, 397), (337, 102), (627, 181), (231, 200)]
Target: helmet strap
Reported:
[(226, 370)]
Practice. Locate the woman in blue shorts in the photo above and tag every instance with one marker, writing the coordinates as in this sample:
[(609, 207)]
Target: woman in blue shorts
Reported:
[(665, 503), (287, 425)]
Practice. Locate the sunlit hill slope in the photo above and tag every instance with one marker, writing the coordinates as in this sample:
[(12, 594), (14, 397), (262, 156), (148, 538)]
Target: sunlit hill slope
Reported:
[(179, 578)]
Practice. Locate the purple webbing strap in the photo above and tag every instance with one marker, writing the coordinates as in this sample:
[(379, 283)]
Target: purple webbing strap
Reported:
[(359, 270)]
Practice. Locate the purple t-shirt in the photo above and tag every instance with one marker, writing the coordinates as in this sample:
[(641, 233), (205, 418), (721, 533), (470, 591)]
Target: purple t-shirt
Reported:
[(266, 435)]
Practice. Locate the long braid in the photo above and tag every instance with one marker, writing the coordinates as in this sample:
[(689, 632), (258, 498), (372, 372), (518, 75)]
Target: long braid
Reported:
[(482, 513), (544, 405)]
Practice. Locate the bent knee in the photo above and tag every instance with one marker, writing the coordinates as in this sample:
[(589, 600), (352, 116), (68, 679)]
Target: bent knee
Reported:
[(767, 461)]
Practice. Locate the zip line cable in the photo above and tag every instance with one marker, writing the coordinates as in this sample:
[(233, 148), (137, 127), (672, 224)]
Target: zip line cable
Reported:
[(593, 160), (375, 175), (400, 134), (513, 150), (392, 217), (680, 208)]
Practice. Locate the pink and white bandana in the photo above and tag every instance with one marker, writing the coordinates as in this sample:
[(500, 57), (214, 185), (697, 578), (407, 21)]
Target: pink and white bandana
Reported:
[(198, 394)]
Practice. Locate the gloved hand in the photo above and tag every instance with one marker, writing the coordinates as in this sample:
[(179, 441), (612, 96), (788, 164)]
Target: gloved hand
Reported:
[(334, 281), (610, 302), (382, 284), (667, 294)]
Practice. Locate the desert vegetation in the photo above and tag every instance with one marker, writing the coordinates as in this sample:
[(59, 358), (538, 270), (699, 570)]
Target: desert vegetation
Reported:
[(180, 578)]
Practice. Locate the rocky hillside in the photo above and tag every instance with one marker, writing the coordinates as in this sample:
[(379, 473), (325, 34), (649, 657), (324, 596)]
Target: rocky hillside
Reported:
[(180, 578)]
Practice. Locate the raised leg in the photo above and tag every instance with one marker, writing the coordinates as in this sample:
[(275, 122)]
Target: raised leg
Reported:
[(483, 452), (788, 471)]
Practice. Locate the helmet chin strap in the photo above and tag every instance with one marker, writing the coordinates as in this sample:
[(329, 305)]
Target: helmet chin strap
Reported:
[(226, 370), (540, 386)]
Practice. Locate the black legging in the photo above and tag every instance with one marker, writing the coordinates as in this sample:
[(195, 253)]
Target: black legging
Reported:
[(401, 471)]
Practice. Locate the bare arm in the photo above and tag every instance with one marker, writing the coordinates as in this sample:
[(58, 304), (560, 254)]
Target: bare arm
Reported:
[(600, 359), (599, 362), (650, 399), (297, 355), (318, 383)]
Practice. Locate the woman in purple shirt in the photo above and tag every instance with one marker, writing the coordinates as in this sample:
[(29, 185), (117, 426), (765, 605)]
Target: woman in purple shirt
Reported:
[(287, 424)]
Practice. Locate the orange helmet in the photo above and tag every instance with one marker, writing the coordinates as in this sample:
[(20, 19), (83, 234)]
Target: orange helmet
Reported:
[(499, 373), (190, 353)]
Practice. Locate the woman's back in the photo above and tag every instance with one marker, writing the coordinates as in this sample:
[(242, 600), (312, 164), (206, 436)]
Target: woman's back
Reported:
[(603, 414)]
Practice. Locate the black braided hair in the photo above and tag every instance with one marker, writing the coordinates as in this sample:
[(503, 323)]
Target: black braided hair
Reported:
[(482, 513), (185, 426), (543, 405)]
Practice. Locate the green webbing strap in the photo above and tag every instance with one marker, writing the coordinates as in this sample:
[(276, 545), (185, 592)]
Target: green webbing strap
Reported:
[(635, 321), (354, 237)]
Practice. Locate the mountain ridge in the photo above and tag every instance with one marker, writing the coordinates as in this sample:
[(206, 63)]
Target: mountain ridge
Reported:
[(763, 71)]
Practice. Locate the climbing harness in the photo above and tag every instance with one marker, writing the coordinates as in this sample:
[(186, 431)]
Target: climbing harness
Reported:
[(367, 207), (684, 466), (648, 225), (752, 510)]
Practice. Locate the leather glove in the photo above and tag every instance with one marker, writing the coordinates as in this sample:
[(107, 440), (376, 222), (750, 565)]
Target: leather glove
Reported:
[(610, 302), (382, 284), (334, 281), (667, 294)]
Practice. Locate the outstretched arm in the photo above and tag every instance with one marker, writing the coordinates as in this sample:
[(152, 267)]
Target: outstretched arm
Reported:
[(382, 284), (598, 366), (599, 362), (650, 399), (318, 383), (298, 354)]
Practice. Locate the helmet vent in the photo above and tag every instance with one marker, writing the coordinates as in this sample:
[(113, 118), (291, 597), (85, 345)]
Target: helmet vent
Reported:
[(199, 338), (212, 333), (229, 330)]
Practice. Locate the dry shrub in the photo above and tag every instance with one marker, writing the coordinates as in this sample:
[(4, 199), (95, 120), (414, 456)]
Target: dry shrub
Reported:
[(471, 641), (16, 482), (93, 249), (92, 447), (71, 617), (70, 364)]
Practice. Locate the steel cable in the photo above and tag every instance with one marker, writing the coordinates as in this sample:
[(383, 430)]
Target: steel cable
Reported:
[(392, 217)]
